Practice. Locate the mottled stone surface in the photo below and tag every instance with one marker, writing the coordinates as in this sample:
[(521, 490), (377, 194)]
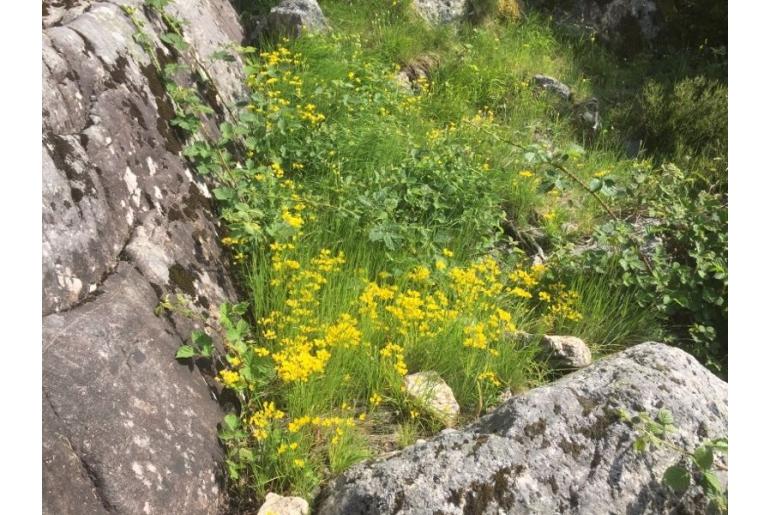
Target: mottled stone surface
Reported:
[(626, 25), (292, 17), (126, 428), (441, 11), (279, 505), (556, 449), (553, 85), (565, 352)]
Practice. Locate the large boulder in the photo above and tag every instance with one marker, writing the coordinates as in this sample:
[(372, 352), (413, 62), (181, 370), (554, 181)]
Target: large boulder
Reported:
[(126, 428), (560, 448), (626, 25), (291, 17)]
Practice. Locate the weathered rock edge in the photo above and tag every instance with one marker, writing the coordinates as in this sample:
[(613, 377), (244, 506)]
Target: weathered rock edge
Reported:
[(126, 428), (555, 449)]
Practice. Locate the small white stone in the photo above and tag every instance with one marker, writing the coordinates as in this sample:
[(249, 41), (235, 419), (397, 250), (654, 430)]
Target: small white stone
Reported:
[(279, 505), (429, 388)]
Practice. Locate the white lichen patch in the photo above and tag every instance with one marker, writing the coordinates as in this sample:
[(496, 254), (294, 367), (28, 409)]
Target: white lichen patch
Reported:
[(138, 470), (141, 441), (151, 166), (69, 282), (133, 186)]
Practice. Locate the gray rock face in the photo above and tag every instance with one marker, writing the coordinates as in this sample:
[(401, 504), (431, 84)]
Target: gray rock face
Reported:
[(291, 17), (553, 85), (626, 25), (555, 449), (126, 429), (441, 11)]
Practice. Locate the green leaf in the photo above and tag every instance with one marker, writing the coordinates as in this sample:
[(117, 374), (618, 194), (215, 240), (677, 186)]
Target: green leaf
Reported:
[(665, 417), (710, 483), (232, 421), (223, 55), (703, 457), (232, 470), (223, 193), (246, 455), (720, 444), (203, 343), (185, 351), (678, 478), (595, 185), (175, 40), (640, 444)]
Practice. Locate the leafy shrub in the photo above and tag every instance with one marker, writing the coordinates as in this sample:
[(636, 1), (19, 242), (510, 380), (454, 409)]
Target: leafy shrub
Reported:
[(680, 229), (686, 118)]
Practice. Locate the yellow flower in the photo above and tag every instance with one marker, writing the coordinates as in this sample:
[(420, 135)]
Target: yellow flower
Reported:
[(235, 361), (520, 292), (440, 265), (544, 296), (550, 215), (419, 274), (299, 462), (447, 253), (491, 377), (229, 378), (526, 173), (291, 220)]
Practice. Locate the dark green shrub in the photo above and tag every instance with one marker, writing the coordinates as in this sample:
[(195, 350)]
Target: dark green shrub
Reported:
[(682, 227)]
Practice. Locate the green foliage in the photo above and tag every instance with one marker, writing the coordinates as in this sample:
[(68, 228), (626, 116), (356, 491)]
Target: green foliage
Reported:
[(351, 205), (687, 118), (684, 227), (696, 468)]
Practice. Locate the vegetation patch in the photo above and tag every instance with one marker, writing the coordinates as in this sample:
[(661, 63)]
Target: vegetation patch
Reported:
[(382, 230)]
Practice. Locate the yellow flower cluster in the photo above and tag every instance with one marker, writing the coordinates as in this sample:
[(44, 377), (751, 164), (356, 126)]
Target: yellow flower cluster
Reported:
[(395, 355), (308, 112), (229, 378), (304, 344), (292, 220), (319, 422), (491, 377), (372, 294), (229, 241), (300, 359), (419, 274), (479, 282), (562, 304), (261, 420)]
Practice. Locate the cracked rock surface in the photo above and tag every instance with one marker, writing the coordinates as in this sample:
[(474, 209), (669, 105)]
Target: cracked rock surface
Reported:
[(556, 449), (126, 428)]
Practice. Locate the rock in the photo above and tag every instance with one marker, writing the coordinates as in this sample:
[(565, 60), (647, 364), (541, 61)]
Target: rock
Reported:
[(586, 116), (566, 351), (126, 428), (627, 26), (279, 505), (441, 11), (554, 86), (430, 389), (417, 70), (560, 448), (292, 17)]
